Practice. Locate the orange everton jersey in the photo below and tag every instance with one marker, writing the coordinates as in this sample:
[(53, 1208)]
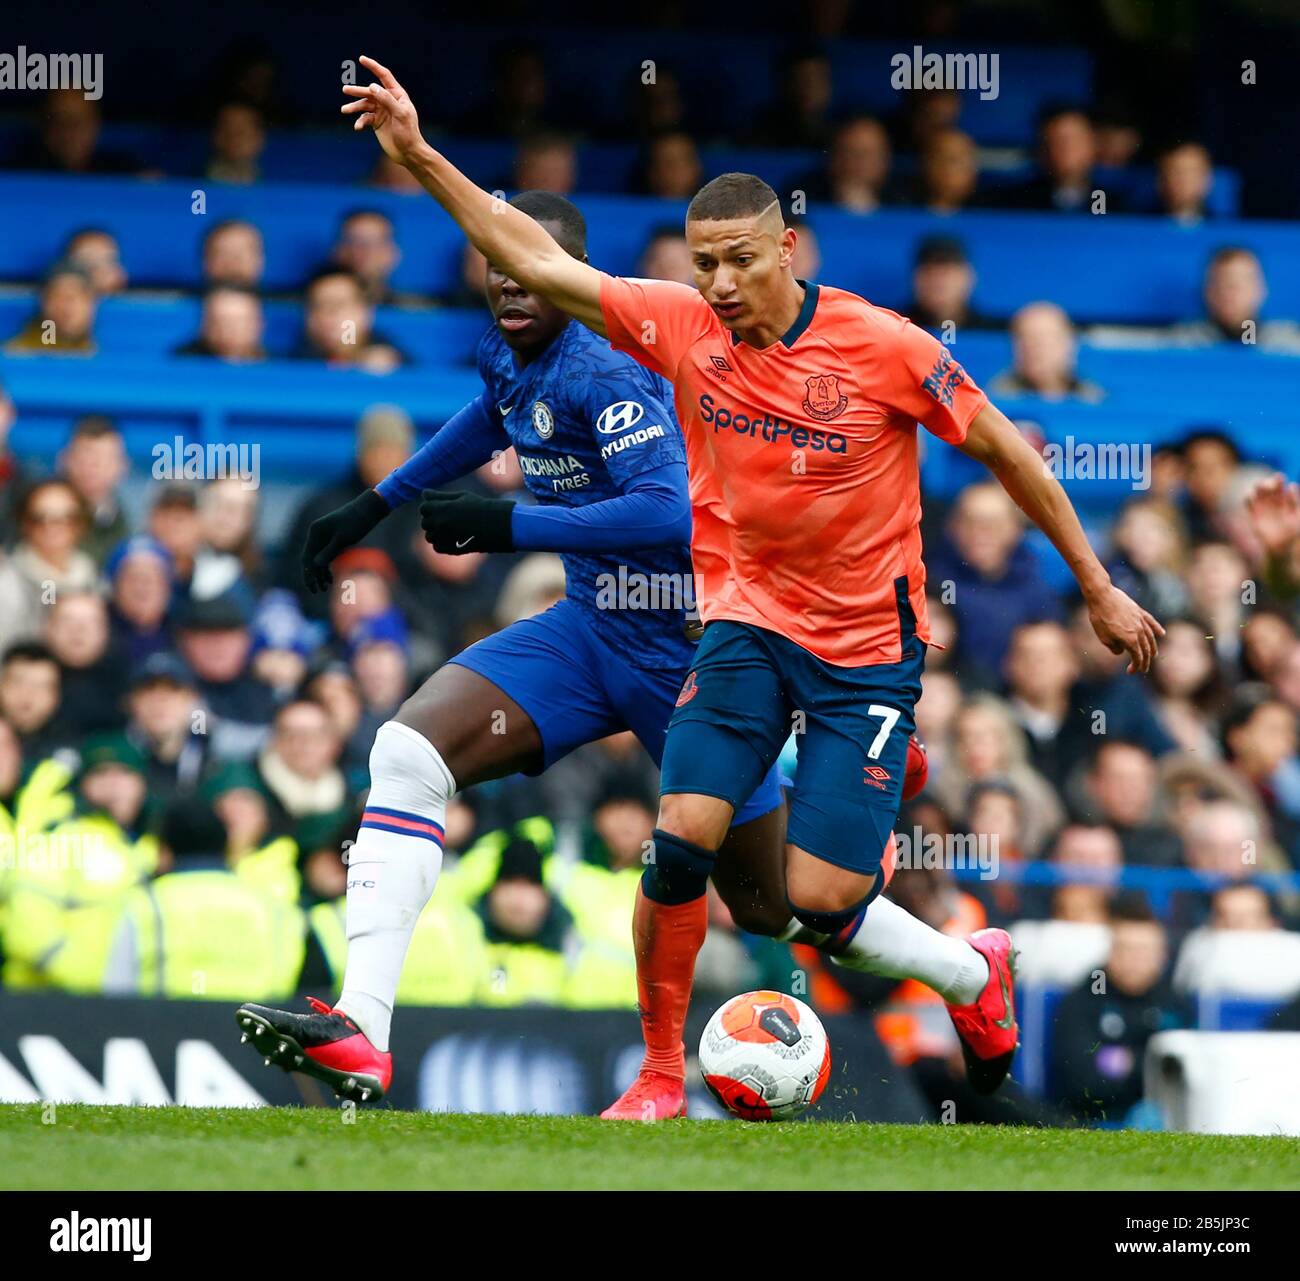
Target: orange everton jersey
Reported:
[(805, 488)]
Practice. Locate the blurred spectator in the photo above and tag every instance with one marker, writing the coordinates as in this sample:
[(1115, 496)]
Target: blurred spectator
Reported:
[(298, 769), (518, 102), (1122, 788), (856, 173), (948, 172), (167, 726), (233, 255), (230, 328), (667, 257), (95, 464), (381, 663), (529, 932), (1223, 838), (1103, 1026), (69, 139), (1267, 637), (1190, 690), (800, 116), (806, 262), (1242, 950), (1042, 671), (238, 140), (990, 577), (13, 480), (385, 439), (1065, 181), (1184, 176), (546, 162), (1210, 462), (95, 251), (1097, 853), (1150, 556), (1043, 358), (366, 248), (534, 585), (1216, 578), (1259, 740), (140, 573), (65, 317), (1117, 136), (989, 748), (174, 522), (365, 580), (333, 686), (671, 168), (228, 525), (283, 642), (45, 562), (91, 669), (215, 639), (234, 791), (654, 107), (31, 695), (942, 283), (339, 326), (924, 115), (472, 281), (1234, 291)]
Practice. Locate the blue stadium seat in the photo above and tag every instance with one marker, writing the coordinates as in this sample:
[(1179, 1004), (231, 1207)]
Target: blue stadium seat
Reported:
[(1132, 269)]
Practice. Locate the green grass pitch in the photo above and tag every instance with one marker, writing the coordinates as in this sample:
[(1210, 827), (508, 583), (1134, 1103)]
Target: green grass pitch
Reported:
[(92, 1148)]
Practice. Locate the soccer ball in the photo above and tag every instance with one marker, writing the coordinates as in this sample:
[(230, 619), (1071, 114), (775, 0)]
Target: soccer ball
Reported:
[(765, 1056)]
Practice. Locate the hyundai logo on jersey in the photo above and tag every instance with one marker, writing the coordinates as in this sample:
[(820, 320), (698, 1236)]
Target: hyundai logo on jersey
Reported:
[(619, 417)]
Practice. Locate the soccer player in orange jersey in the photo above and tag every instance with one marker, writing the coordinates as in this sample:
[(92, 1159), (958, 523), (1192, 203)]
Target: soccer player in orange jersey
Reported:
[(799, 404)]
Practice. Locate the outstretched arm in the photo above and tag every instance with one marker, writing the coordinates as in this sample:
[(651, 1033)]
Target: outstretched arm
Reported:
[(1121, 624), (464, 442), (511, 241)]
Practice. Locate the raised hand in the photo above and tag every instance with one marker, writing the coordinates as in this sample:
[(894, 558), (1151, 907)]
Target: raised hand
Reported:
[(384, 107), (1274, 510)]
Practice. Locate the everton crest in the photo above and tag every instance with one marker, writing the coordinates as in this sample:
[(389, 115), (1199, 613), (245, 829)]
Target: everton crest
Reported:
[(824, 400)]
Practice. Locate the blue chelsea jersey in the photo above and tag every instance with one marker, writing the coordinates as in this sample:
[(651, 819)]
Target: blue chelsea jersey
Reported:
[(584, 420)]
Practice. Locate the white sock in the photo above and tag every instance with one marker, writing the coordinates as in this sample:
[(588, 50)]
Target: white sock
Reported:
[(893, 943), (392, 870)]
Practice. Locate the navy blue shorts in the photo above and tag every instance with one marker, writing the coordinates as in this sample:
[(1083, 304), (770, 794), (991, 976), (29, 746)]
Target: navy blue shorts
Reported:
[(576, 690), (751, 688)]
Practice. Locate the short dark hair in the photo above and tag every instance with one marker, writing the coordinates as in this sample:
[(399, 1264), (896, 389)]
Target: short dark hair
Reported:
[(28, 652), (93, 427), (548, 206), (1210, 436), (731, 195), (1133, 906)]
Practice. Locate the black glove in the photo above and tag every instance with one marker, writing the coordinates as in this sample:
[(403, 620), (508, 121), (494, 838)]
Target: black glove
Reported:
[(457, 523), (331, 535)]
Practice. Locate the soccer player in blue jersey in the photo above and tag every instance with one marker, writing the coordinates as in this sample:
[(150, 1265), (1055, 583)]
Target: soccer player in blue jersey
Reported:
[(602, 453)]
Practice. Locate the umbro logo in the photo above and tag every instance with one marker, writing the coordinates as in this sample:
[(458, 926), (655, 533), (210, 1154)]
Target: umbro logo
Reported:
[(875, 776), (720, 363)]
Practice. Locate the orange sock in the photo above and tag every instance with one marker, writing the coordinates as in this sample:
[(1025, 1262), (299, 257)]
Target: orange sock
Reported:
[(667, 940)]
